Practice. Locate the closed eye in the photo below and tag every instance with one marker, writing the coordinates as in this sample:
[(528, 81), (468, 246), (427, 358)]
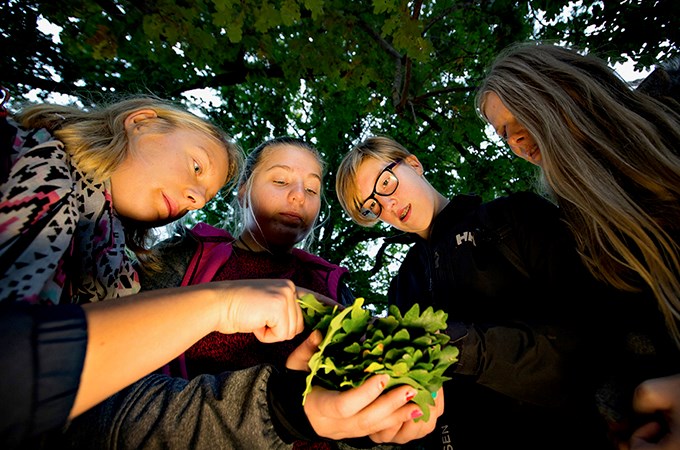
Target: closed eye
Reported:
[(312, 187)]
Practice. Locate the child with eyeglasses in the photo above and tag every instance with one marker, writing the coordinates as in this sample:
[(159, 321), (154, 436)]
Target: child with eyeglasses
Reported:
[(540, 338)]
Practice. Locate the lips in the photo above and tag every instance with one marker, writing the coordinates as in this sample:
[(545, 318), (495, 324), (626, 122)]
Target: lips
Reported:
[(291, 217), (404, 212), (534, 154), (172, 208)]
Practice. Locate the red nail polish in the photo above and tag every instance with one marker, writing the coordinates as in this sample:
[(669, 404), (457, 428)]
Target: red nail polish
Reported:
[(410, 395), (416, 413)]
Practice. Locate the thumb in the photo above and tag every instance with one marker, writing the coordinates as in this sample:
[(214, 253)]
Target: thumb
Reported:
[(299, 358)]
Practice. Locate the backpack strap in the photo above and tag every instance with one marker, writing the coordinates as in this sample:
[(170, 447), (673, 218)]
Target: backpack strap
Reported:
[(213, 250)]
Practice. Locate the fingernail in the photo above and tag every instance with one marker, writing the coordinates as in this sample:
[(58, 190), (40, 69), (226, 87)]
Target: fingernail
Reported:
[(410, 395), (434, 394), (383, 382), (416, 413)]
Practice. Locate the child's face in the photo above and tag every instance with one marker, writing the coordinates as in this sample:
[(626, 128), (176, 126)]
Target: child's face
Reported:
[(286, 195), (510, 129), (164, 175), (412, 206)]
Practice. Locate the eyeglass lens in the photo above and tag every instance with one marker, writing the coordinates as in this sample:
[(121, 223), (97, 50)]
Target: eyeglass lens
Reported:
[(385, 185)]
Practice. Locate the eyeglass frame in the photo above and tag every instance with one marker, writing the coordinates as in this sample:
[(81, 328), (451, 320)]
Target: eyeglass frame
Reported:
[(366, 212)]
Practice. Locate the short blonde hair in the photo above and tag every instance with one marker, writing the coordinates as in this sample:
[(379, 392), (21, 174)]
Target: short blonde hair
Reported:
[(346, 186)]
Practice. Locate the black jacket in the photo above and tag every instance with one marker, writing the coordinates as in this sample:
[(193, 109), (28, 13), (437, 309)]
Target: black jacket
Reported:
[(539, 337), (42, 351)]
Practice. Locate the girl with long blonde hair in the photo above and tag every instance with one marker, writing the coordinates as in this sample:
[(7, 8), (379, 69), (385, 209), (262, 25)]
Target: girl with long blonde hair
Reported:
[(609, 157)]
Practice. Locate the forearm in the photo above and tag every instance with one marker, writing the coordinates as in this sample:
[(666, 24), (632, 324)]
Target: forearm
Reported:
[(130, 337)]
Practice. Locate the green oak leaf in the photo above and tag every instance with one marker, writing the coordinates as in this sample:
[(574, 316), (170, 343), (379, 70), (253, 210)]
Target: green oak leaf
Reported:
[(411, 348)]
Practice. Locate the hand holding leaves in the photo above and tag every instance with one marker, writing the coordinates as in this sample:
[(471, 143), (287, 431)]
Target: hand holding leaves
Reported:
[(412, 348)]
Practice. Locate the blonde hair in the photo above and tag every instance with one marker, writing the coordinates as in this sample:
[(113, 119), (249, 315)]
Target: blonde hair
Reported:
[(346, 186), (245, 182), (609, 157), (97, 140)]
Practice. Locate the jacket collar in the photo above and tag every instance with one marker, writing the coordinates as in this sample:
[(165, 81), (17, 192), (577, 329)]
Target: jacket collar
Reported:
[(453, 213)]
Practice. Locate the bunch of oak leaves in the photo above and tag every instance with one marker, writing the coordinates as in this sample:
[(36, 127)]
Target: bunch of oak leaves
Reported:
[(411, 348)]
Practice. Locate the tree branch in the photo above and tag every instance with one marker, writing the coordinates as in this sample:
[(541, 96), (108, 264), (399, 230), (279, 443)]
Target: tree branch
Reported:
[(398, 83), (379, 39), (445, 13)]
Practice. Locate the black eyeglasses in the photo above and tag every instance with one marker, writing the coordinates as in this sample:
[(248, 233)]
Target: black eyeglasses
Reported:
[(386, 183)]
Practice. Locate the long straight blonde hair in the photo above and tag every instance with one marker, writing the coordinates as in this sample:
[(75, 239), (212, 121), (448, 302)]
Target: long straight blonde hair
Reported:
[(609, 157)]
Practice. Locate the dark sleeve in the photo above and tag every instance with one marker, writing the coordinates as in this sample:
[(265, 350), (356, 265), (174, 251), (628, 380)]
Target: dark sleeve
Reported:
[(230, 410), (42, 351), (664, 84), (518, 360), (285, 401), (540, 358)]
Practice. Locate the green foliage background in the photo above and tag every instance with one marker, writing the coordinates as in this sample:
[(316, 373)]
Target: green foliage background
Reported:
[(330, 71)]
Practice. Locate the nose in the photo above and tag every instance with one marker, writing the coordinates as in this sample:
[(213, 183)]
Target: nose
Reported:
[(196, 197), (297, 192), (518, 137), (521, 143), (388, 203)]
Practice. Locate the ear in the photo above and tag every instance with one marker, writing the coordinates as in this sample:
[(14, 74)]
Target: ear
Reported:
[(137, 118), (414, 162)]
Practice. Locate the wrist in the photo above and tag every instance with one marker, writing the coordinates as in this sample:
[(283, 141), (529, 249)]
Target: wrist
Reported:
[(218, 307)]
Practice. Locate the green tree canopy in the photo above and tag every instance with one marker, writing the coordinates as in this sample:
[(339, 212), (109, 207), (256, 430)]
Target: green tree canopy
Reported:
[(330, 71)]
